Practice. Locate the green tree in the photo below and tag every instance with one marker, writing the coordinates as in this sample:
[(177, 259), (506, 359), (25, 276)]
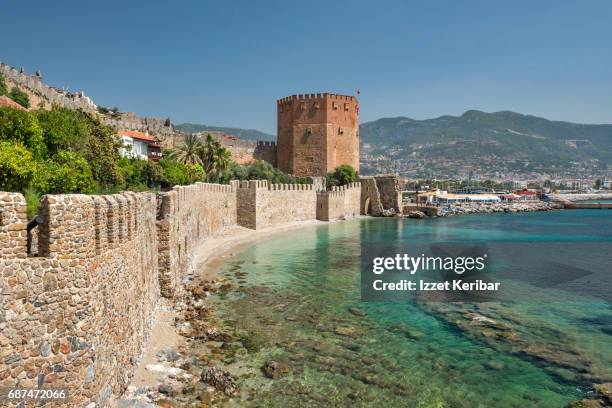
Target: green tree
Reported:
[(215, 158), (66, 172), (17, 166), (188, 153), (141, 174), (176, 173), (20, 97), (3, 88), (81, 132), (598, 184), (63, 129), (21, 126), (342, 175)]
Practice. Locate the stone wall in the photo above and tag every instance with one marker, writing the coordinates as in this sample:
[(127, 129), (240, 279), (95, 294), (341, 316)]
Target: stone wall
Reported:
[(261, 204), (390, 191), (340, 203), (42, 95), (187, 216), (370, 197), (76, 316)]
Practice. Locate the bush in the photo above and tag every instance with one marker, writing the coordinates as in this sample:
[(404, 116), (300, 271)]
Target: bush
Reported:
[(342, 175), (65, 129), (141, 174), (176, 173), (22, 127), (67, 172), (3, 88), (20, 97), (17, 166)]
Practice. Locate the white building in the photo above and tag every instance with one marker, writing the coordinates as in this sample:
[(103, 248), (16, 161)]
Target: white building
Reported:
[(135, 144)]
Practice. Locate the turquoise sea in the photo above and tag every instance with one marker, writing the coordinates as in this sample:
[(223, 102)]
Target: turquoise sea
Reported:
[(297, 301)]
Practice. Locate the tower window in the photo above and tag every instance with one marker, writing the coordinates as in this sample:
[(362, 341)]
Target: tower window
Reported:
[(346, 106), (340, 131), (303, 105), (335, 106), (317, 105)]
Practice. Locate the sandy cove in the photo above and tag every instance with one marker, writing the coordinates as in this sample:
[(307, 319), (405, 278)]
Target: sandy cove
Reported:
[(207, 260)]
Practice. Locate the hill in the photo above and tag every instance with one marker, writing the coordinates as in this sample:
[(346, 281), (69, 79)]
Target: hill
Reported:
[(486, 142), (245, 134)]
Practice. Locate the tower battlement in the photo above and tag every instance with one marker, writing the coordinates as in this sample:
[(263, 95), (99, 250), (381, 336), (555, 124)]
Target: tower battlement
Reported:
[(317, 132)]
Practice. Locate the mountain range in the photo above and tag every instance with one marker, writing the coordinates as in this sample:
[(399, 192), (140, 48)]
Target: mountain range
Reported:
[(475, 141)]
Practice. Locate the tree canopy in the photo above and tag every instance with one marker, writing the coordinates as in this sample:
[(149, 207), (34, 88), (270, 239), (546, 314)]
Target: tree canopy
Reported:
[(342, 175)]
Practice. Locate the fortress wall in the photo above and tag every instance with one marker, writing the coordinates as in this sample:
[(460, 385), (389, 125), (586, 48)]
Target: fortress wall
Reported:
[(76, 317), (262, 204), (390, 191), (341, 203), (40, 93), (370, 197), (187, 216)]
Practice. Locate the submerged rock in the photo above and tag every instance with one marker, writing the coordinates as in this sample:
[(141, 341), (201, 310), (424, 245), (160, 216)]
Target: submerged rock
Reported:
[(220, 379), (357, 312), (605, 390), (345, 331), (275, 369)]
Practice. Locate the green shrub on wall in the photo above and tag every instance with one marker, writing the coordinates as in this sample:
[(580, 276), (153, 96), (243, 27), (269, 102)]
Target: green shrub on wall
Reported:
[(342, 175)]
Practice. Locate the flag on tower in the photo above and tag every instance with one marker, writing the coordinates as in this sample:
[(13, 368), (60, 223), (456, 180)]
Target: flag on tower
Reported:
[(358, 92)]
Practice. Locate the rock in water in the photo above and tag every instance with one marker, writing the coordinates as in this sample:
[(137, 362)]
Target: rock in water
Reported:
[(345, 331), (275, 369), (357, 312), (220, 379)]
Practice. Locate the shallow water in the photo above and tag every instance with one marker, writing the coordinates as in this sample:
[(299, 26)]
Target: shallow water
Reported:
[(298, 301)]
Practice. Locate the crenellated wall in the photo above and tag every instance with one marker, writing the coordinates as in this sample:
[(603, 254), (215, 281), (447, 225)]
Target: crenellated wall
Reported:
[(340, 203), (261, 204), (76, 316), (187, 216)]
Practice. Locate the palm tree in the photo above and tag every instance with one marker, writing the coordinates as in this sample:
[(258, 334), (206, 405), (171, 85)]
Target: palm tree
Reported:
[(214, 157), (188, 153)]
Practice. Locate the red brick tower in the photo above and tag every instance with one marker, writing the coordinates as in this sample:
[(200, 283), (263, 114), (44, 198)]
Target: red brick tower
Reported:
[(317, 133)]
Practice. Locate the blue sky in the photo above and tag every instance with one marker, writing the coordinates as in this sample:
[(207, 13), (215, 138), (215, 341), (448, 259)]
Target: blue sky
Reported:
[(226, 62)]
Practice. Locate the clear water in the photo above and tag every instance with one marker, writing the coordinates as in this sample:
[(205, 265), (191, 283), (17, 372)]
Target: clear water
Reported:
[(294, 297)]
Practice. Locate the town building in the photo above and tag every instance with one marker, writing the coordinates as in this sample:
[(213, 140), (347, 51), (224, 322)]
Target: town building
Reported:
[(139, 145)]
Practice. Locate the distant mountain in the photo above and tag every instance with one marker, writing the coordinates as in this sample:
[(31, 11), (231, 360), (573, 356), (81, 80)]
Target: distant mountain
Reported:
[(505, 140), (245, 134)]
